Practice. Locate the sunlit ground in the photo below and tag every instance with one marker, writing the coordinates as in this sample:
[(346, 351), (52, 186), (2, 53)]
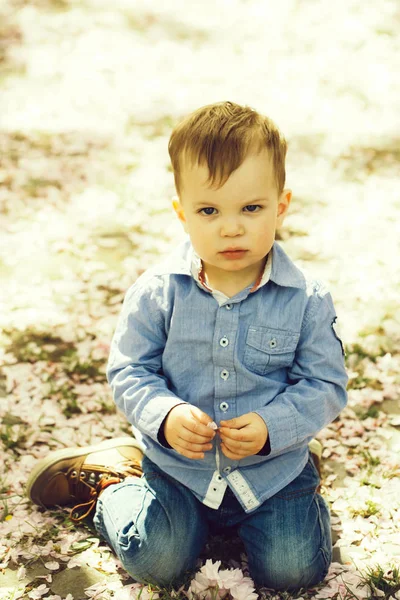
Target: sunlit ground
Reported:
[(89, 92)]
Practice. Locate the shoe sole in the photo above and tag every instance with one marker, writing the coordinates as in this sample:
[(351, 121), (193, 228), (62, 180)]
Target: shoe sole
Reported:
[(57, 455), (315, 447)]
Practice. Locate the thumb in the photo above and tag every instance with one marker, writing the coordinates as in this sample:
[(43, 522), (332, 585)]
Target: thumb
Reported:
[(236, 423), (199, 415)]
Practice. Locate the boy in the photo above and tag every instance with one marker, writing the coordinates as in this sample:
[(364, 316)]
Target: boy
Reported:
[(226, 361)]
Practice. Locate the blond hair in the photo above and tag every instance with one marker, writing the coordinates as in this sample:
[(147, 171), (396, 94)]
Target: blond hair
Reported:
[(221, 135)]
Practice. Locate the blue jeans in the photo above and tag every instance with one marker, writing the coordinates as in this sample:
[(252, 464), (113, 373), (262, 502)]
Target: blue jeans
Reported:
[(158, 528)]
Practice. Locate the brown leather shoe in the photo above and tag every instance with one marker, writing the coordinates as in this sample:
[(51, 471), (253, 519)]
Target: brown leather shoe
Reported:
[(78, 475)]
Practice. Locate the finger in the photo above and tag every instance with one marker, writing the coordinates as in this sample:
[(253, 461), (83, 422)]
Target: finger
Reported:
[(198, 428), (241, 435), (195, 438), (237, 448), (237, 422), (203, 418), (193, 447), (229, 454), (200, 416), (190, 453)]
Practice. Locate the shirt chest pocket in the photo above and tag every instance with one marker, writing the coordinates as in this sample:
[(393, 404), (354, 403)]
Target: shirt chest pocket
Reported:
[(268, 349)]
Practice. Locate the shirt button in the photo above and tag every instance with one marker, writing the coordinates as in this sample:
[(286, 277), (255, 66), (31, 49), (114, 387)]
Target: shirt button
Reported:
[(224, 374), (224, 406), (273, 343), (227, 470), (224, 341), (228, 306)]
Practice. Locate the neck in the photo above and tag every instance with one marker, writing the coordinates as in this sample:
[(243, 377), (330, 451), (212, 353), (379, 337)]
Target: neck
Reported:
[(231, 283)]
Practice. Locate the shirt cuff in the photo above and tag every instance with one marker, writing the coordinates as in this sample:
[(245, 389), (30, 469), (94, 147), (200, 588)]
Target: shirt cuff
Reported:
[(266, 449), (161, 435), (281, 423), (153, 416)]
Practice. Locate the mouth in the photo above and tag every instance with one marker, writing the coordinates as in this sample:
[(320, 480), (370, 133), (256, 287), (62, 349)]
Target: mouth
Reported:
[(234, 254), (234, 250)]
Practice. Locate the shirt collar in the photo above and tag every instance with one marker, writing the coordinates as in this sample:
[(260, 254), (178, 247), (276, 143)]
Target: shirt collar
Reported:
[(279, 268), (198, 274)]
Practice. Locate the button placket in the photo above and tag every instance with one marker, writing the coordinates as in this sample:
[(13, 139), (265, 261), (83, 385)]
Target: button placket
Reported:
[(224, 357)]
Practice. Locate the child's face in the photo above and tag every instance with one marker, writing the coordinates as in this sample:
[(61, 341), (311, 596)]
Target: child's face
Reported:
[(244, 213)]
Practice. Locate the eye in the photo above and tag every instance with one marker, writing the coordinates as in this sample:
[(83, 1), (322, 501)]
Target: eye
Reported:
[(253, 206), (207, 208)]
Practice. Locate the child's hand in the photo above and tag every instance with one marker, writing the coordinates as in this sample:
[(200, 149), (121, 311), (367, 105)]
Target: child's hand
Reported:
[(243, 436), (186, 430)]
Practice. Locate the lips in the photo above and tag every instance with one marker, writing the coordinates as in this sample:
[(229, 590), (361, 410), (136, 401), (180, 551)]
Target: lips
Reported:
[(233, 254), (234, 250)]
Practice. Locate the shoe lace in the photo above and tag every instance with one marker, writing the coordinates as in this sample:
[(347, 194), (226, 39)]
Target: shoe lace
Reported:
[(92, 489)]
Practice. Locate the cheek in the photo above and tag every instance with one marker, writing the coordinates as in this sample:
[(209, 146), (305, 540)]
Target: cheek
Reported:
[(269, 224), (266, 228), (264, 236), (201, 229), (199, 234)]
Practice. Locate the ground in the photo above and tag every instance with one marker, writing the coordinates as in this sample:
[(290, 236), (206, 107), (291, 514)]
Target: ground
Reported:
[(89, 93)]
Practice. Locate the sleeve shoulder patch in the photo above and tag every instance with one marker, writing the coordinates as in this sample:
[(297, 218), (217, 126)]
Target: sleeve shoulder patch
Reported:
[(336, 330)]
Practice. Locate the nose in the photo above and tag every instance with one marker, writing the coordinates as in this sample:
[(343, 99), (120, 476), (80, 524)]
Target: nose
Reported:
[(232, 227)]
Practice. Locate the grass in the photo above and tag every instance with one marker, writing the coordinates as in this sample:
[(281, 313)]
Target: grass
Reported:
[(71, 407), (69, 400), (370, 509), (74, 365), (13, 437), (362, 352), (108, 407), (31, 345), (357, 357), (386, 581), (372, 461), (360, 382), (372, 412), (69, 368)]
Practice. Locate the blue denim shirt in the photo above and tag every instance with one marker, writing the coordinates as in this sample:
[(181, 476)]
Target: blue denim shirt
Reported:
[(270, 349)]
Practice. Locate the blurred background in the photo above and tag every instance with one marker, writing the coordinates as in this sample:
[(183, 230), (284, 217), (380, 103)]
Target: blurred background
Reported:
[(89, 93)]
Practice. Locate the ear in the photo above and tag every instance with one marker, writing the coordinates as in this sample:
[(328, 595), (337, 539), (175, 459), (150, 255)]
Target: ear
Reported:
[(179, 211), (283, 206)]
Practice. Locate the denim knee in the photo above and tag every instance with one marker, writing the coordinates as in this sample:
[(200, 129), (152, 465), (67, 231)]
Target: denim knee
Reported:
[(302, 563), (158, 558), (148, 564), (153, 527), (290, 573)]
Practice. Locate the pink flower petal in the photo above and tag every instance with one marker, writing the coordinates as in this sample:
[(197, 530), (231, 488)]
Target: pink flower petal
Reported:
[(52, 565)]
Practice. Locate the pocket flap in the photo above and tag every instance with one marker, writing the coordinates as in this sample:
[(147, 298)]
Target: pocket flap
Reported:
[(272, 341)]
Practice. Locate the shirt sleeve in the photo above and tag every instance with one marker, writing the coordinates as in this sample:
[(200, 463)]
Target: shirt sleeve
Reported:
[(134, 368), (317, 381)]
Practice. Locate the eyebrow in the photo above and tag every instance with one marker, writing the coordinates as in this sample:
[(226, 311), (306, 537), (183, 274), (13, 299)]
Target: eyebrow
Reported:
[(241, 204)]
